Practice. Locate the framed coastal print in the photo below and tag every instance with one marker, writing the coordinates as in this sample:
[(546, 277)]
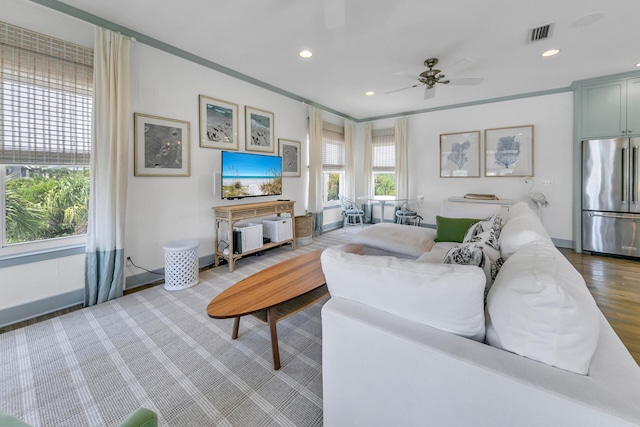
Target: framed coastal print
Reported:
[(259, 130), (508, 151), (161, 146), (290, 153), (218, 123), (460, 155)]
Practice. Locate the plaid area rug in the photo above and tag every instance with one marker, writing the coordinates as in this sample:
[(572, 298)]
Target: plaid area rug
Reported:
[(160, 350)]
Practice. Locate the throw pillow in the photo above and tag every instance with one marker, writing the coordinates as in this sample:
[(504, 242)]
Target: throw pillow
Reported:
[(540, 308), (492, 223), (452, 229), (483, 251)]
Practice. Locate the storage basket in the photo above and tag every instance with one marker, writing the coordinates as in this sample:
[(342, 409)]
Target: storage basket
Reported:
[(181, 264), (304, 229)]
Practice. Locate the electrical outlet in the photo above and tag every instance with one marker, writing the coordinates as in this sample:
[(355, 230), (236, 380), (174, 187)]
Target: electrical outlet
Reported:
[(547, 183), (129, 262)]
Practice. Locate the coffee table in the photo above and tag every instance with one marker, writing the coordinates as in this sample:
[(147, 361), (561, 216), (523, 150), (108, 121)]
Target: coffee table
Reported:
[(279, 291)]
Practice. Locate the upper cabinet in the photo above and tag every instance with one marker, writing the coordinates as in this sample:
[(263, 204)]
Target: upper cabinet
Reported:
[(611, 109)]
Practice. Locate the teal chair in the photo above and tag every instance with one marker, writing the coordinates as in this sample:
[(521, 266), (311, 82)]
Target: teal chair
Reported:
[(143, 417)]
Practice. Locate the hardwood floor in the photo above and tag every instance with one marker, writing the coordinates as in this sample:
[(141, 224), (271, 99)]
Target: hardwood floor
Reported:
[(613, 282), (615, 285)]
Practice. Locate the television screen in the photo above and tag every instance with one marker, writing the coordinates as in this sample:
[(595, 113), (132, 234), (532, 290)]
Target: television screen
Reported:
[(250, 175)]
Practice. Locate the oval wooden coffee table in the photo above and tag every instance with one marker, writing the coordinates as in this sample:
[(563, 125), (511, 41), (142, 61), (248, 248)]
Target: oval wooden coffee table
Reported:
[(275, 293)]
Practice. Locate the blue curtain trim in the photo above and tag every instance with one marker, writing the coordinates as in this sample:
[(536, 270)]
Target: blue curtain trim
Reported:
[(103, 276)]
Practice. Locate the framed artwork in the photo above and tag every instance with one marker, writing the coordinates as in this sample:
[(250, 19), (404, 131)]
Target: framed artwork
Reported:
[(259, 130), (508, 151), (218, 124), (161, 146), (290, 153), (460, 155)]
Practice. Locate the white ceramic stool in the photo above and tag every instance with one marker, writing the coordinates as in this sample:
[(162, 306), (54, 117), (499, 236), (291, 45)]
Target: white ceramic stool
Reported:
[(181, 264)]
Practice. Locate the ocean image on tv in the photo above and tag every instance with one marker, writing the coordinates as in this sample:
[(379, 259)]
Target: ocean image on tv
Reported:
[(246, 175)]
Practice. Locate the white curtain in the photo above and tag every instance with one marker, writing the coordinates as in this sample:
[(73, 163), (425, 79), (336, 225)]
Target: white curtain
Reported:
[(349, 173), (368, 161), (315, 168), (104, 263), (402, 173)]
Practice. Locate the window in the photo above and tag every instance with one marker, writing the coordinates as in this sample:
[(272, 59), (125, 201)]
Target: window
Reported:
[(46, 95), (383, 160), (333, 162)]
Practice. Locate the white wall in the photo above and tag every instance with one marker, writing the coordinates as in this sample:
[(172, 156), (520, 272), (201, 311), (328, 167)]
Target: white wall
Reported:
[(552, 117), (162, 209)]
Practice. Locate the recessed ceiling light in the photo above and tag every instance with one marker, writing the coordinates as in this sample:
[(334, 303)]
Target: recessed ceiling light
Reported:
[(551, 52), (369, 93), (638, 64), (305, 54)]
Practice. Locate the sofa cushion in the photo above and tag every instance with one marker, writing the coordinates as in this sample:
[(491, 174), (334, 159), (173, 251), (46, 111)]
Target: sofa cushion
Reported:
[(539, 307), (395, 239), (522, 227), (452, 229), (447, 297)]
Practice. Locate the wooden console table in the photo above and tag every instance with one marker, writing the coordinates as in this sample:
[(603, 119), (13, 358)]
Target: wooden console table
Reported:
[(234, 213)]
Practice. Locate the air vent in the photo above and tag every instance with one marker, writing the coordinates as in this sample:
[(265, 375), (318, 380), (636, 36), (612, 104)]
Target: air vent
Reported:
[(540, 33)]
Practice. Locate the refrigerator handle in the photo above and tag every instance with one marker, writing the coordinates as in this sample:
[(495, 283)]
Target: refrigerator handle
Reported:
[(634, 175), (625, 174)]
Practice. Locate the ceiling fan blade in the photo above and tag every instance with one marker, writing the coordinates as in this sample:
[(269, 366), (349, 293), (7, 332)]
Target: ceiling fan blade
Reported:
[(404, 88), (333, 14), (406, 75), (466, 82), (429, 92), (460, 65)]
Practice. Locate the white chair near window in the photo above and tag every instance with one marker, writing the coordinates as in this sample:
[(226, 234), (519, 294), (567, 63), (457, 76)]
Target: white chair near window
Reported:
[(351, 212), (408, 212)]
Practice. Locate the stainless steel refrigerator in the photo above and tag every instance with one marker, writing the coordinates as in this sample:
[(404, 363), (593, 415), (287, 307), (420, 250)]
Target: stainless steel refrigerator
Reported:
[(610, 187)]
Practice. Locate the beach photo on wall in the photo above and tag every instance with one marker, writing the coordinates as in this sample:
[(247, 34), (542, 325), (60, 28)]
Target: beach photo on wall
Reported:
[(259, 130), (218, 123), (161, 146)]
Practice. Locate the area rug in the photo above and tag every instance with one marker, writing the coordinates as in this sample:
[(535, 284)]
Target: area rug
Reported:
[(160, 350)]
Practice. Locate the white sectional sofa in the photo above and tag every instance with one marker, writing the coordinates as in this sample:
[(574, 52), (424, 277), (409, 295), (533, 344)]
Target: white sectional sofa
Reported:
[(411, 342)]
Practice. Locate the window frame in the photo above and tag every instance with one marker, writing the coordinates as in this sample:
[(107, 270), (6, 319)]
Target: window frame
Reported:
[(57, 72)]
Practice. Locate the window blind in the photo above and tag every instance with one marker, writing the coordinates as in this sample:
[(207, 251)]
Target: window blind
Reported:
[(333, 150), (46, 92), (384, 150)]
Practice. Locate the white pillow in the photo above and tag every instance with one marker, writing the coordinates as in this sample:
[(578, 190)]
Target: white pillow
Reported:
[(447, 297), (523, 226), (492, 223), (539, 307)]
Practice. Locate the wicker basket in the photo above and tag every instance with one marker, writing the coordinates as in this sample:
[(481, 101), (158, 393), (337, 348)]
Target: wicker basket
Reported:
[(304, 229)]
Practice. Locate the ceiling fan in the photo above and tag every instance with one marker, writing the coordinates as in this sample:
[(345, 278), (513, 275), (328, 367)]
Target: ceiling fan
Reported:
[(430, 77)]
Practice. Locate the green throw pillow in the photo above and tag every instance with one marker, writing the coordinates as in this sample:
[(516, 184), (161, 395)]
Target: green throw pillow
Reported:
[(452, 229)]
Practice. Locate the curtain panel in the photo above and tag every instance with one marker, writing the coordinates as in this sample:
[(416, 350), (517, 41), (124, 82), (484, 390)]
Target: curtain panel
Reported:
[(402, 175), (349, 173), (104, 262), (315, 168)]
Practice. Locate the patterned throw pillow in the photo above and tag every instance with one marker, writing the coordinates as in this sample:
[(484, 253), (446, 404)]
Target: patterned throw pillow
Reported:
[(494, 223), (482, 250)]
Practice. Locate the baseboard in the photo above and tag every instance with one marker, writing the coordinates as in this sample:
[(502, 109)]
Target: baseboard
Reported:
[(20, 313)]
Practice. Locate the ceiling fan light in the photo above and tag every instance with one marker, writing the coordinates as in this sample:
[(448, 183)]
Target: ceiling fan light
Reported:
[(550, 52), (305, 54)]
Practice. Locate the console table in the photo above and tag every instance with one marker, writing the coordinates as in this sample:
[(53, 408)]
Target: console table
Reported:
[(234, 213)]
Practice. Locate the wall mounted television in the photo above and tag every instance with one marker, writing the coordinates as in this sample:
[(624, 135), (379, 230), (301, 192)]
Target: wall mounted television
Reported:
[(250, 175)]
